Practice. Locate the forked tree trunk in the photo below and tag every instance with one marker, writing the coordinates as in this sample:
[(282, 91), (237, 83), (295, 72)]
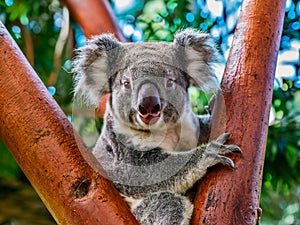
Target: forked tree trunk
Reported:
[(47, 149)]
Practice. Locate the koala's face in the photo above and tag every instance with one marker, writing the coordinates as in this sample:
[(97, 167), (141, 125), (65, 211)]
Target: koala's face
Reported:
[(147, 81), (149, 95)]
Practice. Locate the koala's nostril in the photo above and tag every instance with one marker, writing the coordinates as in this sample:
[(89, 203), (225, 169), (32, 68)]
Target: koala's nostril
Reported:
[(155, 109), (149, 105), (142, 110)]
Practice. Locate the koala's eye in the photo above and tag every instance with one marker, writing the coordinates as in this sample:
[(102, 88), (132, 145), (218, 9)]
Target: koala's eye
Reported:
[(126, 84), (170, 83)]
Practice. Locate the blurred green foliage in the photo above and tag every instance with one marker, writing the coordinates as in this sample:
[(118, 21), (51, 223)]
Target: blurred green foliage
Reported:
[(282, 166), (36, 26), (8, 166)]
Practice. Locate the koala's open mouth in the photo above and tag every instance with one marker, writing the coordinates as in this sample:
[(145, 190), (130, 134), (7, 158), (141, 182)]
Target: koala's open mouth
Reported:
[(150, 113), (150, 119)]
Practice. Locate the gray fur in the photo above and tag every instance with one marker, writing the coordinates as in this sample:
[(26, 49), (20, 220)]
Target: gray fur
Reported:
[(152, 165), (201, 54), (92, 66), (157, 208)]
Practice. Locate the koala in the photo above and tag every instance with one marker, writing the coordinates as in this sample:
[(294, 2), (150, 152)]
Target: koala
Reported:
[(152, 146)]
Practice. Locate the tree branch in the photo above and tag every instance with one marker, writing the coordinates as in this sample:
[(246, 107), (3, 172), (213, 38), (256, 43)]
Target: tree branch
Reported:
[(62, 170), (59, 47), (94, 17), (232, 196)]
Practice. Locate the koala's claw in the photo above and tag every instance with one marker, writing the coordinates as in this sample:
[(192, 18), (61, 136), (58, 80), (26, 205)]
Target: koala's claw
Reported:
[(234, 148), (223, 138), (219, 144), (225, 160), (217, 148)]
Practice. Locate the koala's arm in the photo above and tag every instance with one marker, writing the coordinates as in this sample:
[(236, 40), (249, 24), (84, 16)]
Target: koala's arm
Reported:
[(184, 169)]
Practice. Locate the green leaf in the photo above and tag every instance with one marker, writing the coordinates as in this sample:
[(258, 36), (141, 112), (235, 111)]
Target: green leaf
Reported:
[(291, 155)]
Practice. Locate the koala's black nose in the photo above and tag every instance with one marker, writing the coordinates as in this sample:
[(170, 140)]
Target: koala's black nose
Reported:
[(149, 104)]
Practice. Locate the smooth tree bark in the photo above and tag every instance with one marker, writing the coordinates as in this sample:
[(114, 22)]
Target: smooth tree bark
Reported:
[(228, 196), (53, 157), (94, 17)]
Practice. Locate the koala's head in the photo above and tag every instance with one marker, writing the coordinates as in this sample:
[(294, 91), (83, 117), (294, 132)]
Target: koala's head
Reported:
[(147, 81)]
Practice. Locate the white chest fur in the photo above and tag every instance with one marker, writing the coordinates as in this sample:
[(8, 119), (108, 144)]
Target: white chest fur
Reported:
[(180, 137)]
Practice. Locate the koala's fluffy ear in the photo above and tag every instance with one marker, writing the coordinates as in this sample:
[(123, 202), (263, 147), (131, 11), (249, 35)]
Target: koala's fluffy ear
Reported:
[(91, 67), (198, 51)]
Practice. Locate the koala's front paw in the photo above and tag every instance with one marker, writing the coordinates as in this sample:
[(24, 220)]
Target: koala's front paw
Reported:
[(216, 149)]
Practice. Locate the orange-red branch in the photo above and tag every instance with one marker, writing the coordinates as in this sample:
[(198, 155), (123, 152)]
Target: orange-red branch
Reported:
[(50, 153), (232, 196), (94, 17)]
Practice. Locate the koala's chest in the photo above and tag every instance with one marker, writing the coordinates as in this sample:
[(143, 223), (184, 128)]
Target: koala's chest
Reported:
[(179, 140), (171, 140), (185, 135)]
